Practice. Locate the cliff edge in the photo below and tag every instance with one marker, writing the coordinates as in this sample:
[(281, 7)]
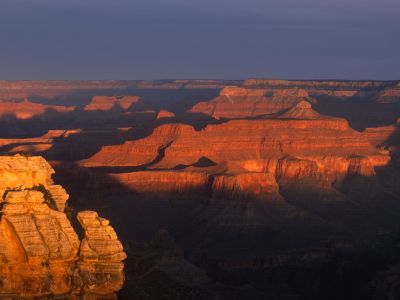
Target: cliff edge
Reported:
[(40, 251)]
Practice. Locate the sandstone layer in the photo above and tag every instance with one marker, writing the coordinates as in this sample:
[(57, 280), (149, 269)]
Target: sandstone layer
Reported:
[(250, 156), (363, 103), (40, 251)]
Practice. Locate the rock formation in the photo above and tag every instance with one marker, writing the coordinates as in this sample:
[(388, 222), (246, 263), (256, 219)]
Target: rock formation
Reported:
[(302, 110), (27, 109), (265, 168), (239, 140), (163, 114), (249, 156), (241, 102), (100, 255), (379, 91), (40, 251), (55, 89), (253, 185), (380, 136), (106, 103), (160, 183)]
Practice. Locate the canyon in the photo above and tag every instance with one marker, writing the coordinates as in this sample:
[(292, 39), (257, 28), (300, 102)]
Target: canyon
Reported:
[(243, 178)]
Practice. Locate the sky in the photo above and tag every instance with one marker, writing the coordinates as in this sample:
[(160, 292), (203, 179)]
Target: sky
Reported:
[(203, 39)]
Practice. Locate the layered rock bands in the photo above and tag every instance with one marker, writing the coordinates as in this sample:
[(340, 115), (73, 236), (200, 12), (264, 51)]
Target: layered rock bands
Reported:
[(40, 252), (246, 156)]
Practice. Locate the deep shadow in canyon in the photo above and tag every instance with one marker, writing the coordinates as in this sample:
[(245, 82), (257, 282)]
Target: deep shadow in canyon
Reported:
[(317, 240), (332, 263)]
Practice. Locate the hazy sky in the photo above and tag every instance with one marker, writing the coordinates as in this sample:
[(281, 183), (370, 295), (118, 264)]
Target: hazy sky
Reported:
[(233, 39)]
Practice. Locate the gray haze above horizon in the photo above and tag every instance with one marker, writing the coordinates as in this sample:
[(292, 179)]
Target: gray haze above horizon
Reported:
[(216, 39)]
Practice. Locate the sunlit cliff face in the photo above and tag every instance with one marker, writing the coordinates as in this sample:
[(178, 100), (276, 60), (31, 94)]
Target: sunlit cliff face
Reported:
[(40, 250)]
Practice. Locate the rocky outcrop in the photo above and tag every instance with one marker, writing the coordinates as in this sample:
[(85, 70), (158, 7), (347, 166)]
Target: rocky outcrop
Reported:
[(160, 183), (106, 103), (252, 185), (380, 136), (242, 102), (164, 184), (246, 157), (238, 140), (24, 172), (59, 196), (27, 110), (343, 90), (302, 110), (40, 251), (100, 255), (164, 114)]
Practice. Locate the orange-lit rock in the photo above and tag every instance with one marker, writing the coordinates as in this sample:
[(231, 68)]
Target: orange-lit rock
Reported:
[(255, 185), (164, 181), (379, 135), (302, 110), (26, 109), (106, 103), (240, 102), (139, 152), (40, 251), (376, 91), (234, 141), (101, 255), (298, 144), (162, 114)]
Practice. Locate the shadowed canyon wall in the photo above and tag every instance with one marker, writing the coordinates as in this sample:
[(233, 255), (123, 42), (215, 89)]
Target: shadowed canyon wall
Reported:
[(260, 188)]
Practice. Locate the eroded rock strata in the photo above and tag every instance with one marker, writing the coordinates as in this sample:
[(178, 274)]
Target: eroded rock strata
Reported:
[(41, 253), (106, 103), (241, 102), (261, 179), (379, 91), (246, 156)]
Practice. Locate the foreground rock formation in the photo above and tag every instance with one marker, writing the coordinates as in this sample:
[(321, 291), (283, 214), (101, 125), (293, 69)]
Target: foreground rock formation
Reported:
[(40, 251)]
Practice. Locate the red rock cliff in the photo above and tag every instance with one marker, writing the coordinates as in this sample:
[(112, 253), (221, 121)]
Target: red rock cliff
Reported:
[(40, 251), (240, 102), (298, 144)]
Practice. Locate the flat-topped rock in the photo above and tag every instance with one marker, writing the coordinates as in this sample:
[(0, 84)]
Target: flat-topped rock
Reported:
[(24, 172), (241, 102)]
